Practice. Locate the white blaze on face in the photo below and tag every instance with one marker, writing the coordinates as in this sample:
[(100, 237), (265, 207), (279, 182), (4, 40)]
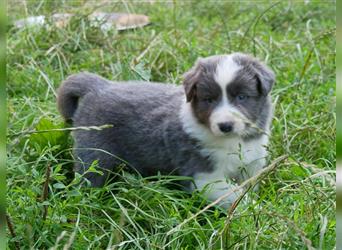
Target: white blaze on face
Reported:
[(225, 111)]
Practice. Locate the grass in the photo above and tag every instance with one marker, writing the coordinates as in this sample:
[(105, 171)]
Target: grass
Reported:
[(295, 207)]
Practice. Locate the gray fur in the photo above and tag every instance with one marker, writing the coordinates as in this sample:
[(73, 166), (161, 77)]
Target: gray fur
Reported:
[(146, 128)]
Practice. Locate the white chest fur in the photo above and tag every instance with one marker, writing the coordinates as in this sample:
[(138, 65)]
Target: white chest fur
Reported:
[(234, 161), (234, 158)]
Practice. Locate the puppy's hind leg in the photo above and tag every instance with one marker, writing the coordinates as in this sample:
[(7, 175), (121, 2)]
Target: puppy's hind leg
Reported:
[(99, 171)]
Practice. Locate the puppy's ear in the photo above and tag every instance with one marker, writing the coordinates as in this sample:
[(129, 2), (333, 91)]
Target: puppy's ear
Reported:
[(190, 79), (265, 77)]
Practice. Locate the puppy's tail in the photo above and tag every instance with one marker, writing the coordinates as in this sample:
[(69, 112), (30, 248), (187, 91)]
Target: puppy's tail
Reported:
[(74, 88)]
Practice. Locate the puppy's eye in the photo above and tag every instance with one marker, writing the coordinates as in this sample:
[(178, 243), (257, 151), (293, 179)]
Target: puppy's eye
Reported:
[(208, 100), (242, 97)]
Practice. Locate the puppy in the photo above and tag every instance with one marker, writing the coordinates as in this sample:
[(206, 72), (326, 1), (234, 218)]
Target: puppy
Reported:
[(215, 128)]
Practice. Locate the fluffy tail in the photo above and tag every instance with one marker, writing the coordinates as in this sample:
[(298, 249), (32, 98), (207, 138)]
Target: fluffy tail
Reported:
[(74, 88)]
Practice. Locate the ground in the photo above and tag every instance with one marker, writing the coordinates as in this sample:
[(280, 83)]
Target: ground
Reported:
[(295, 205)]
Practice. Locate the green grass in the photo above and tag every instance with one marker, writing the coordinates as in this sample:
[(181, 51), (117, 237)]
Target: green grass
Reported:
[(295, 207)]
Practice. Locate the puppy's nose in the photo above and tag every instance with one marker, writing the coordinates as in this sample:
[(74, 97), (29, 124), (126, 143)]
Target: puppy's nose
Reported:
[(226, 127)]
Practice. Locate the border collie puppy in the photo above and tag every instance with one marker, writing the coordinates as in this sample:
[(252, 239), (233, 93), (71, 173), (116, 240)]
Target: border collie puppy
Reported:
[(215, 128)]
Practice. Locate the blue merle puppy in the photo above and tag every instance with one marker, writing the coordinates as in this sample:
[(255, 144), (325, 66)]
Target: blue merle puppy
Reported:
[(214, 128)]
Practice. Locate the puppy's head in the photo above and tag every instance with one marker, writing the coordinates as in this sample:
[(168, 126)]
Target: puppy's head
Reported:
[(229, 94)]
